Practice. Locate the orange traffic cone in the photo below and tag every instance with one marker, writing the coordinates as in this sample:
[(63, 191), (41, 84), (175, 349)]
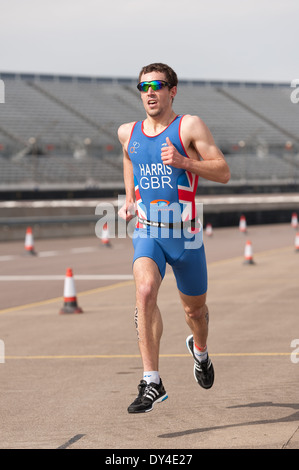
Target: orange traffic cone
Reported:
[(70, 301), (29, 242), (243, 224), (248, 254), (105, 235), (294, 220), (209, 230), (297, 242)]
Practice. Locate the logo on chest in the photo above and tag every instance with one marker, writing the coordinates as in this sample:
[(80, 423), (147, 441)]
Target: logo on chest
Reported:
[(134, 147)]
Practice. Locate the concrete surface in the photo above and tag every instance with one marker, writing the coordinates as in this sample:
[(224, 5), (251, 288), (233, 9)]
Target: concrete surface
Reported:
[(66, 380)]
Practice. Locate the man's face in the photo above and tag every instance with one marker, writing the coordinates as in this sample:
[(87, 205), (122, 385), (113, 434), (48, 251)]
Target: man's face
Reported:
[(156, 102)]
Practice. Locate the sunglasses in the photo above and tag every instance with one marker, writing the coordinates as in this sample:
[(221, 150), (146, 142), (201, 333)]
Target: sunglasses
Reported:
[(154, 84)]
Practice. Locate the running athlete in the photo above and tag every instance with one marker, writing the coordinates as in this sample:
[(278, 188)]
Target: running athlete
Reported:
[(163, 158)]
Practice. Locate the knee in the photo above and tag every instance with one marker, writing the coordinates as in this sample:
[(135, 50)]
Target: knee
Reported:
[(146, 292), (197, 312)]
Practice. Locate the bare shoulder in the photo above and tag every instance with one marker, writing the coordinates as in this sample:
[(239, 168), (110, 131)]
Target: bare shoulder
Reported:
[(192, 125), (124, 132)]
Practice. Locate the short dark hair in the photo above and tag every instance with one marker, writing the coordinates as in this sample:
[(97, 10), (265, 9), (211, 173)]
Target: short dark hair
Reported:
[(170, 75)]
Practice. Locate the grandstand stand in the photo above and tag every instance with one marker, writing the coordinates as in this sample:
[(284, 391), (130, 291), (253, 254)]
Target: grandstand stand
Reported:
[(61, 131)]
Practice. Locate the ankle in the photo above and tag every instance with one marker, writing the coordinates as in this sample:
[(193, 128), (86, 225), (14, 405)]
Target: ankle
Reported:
[(151, 376), (201, 354)]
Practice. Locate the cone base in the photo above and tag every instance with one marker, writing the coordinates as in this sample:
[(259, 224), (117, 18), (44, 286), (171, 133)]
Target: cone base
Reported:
[(249, 261), (70, 308), (30, 252)]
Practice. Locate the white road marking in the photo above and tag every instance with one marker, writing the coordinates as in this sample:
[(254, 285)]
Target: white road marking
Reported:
[(59, 277), (46, 254)]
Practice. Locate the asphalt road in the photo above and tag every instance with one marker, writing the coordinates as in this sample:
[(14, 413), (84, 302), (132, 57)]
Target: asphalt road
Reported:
[(66, 380)]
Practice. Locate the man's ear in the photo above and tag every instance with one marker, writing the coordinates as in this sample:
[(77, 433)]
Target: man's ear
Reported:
[(173, 91)]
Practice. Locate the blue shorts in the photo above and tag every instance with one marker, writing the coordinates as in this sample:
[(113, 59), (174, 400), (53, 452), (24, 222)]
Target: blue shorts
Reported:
[(187, 259)]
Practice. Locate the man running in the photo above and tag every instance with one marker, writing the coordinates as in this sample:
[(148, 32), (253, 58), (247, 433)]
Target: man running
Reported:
[(163, 158)]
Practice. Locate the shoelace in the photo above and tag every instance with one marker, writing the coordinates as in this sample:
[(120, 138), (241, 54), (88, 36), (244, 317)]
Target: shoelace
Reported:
[(141, 388)]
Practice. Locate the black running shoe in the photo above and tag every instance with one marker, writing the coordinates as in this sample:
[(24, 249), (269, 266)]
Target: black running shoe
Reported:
[(148, 395), (203, 371)]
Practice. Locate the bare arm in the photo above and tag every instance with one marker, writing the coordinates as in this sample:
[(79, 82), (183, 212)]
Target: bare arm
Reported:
[(206, 160), (127, 212)]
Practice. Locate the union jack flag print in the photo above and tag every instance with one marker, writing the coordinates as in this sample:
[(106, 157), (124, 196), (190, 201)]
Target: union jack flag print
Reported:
[(141, 209), (187, 186)]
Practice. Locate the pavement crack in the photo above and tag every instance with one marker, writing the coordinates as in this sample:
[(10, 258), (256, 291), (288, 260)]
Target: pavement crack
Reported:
[(289, 440), (71, 441)]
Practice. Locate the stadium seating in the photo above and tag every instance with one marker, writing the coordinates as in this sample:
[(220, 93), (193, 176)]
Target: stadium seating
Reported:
[(63, 130)]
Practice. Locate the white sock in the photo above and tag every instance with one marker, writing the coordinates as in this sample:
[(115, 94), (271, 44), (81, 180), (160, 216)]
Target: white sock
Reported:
[(151, 376), (201, 354)]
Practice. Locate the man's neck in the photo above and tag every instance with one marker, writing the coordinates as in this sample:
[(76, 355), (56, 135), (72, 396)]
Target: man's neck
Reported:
[(153, 125)]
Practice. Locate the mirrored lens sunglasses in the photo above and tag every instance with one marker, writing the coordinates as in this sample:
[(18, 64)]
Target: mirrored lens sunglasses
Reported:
[(154, 84)]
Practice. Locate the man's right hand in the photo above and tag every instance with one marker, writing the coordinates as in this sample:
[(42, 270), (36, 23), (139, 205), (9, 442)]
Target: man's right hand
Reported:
[(127, 211)]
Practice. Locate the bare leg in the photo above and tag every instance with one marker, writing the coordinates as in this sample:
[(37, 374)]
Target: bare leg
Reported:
[(197, 317), (147, 315)]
